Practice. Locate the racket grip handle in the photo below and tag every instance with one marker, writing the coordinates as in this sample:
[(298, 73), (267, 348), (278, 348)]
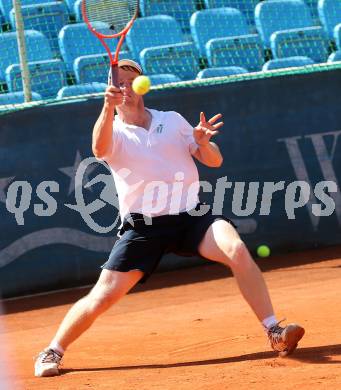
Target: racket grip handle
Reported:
[(114, 75)]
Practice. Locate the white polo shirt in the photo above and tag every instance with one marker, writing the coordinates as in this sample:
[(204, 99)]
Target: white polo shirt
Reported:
[(154, 170)]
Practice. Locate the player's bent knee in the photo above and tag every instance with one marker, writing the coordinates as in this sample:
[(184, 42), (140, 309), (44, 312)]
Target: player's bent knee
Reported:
[(101, 299), (111, 286), (97, 304), (237, 249), (237, 255)]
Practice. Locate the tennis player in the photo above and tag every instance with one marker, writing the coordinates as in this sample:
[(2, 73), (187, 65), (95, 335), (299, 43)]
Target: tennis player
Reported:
[(151, 155)]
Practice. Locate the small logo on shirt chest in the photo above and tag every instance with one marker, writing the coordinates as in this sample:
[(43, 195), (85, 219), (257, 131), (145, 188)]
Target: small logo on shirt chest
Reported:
[(159, 129)]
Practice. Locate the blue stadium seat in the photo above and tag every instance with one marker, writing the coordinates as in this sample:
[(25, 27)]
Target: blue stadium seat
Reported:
[(312, 4), (181, 59), (47, 77), (81, 89), (245, 6), (153, 31), (70, 5), (337, 35), (7, 5), (216, 23), (77, 10), (330, 15), (47, 18), (311, 42), (289, 62), (277, 15), (16, 97), (93, 68), (180, 10), (245, 51), (37, 49), (221, 71), (76, 40), (334, 57), (163, 78)]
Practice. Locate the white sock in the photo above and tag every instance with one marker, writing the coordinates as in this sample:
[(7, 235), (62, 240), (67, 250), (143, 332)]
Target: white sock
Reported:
[(56, 347), (268, 322)]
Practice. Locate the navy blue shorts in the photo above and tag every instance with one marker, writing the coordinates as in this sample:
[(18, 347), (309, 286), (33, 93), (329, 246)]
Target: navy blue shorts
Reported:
[(141, 245)]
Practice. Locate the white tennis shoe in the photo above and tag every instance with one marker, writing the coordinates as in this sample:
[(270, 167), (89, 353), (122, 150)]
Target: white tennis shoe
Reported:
[(284, 340), (47, 363)]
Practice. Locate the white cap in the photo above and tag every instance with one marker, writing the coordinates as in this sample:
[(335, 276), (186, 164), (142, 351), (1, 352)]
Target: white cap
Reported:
[(133, 64)]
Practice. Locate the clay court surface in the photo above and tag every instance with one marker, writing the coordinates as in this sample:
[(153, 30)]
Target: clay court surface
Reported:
[(191, 329)]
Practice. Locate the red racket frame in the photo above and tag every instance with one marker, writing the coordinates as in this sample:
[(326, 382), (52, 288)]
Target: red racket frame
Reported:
[(122, 34)]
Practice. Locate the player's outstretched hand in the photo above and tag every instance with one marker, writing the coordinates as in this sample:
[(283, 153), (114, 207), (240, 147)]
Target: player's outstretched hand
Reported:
[(205, 130), (113, 96)]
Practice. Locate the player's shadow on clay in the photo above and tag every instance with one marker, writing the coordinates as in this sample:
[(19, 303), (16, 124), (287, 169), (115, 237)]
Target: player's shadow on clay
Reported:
[(316, 355)]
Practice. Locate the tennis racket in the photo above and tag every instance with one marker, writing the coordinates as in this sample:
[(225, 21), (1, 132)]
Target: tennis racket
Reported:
[(119, 15)]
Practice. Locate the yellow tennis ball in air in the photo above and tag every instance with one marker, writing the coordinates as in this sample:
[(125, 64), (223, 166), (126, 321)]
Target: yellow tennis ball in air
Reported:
[(141, 85), (263, 251)]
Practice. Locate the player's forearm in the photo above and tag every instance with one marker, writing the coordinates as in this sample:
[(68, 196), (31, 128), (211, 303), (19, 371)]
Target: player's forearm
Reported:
[(102, 132), (210, 155)]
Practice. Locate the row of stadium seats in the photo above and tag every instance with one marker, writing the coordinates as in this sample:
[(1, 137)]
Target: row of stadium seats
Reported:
[(214, 32), (272, 15), (181, 11), (48, 78), (221, 37)]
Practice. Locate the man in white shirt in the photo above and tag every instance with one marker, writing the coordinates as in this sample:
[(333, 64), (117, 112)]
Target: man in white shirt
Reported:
[(150, 154)]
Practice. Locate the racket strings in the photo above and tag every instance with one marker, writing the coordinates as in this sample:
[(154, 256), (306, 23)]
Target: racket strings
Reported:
[(115, 13)]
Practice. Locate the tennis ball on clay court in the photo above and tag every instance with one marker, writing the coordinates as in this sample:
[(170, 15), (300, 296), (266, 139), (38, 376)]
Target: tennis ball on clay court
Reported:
[(263, 251), (141, 85)]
